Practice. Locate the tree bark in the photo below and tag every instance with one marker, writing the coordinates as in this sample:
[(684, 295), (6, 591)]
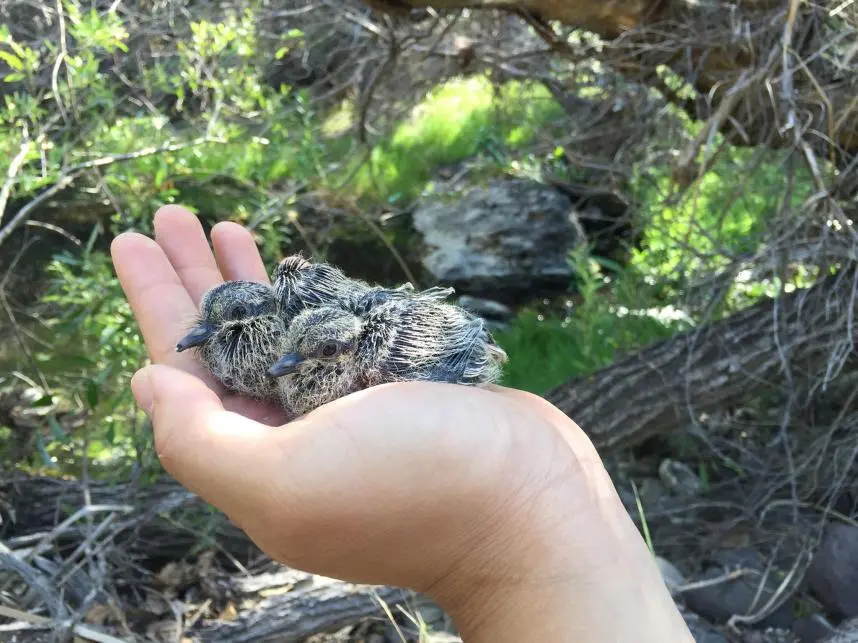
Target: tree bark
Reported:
[(322, 605), (758, 66), (806, 335)]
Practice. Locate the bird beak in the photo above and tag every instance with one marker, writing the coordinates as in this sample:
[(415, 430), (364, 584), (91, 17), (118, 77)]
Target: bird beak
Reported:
[(286, 364), (197, 336)]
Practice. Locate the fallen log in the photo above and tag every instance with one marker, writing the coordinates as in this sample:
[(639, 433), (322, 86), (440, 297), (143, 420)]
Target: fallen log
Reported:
[(807, 334), (43, 511), (315, 605)]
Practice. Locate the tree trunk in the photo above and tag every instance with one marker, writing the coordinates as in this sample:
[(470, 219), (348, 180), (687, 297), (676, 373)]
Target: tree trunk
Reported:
[(808, 334), (758, 66)]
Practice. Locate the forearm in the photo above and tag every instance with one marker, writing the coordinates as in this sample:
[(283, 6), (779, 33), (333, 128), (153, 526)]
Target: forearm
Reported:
[(624, 601), (583, 575)]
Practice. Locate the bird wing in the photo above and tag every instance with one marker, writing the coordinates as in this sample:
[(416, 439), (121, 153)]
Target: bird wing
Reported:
[(378, 296)]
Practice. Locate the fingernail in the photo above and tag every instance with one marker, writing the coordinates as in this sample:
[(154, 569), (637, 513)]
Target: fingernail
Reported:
[(141, 386)]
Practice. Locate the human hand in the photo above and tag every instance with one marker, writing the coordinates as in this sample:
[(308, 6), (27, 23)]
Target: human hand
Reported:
[(491, 501)]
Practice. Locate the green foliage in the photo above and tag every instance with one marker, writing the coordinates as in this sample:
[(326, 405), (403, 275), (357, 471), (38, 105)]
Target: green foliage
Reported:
[(685, 235), (723, 215), (95, 349), (613, 317), (458, 120)]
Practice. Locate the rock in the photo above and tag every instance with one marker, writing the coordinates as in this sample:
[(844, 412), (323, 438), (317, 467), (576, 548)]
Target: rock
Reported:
[(846, 633), (833, 574), (723, 598), (495, 314), (442, 637), (510, 239), (653, 494), (672, 577), (743, 557), (812, 629), (435, 618), (769, 635), (679, 478), (486, 308), (702, 631)]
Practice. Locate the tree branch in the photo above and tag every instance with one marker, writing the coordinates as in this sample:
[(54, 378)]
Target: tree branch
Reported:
[(71, 173)]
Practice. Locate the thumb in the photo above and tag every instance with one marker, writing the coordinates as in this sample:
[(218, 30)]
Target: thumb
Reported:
[(222, 456)]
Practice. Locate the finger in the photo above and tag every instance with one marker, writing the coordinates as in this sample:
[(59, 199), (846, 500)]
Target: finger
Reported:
[(237, 254), (184, 242), (163, 308), (220, 455)]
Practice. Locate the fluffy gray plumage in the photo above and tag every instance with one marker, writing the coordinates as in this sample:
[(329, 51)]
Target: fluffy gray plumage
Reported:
[(299, 285), (237, 336), (241, 327), (318, 335), (331, 351)]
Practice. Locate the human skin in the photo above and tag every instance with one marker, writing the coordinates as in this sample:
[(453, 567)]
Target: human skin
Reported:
[(492, 501)]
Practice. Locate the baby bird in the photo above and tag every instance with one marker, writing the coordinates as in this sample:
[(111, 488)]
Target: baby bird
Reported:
[(238, 335), (241, 328), (331, 351), (299, 284)]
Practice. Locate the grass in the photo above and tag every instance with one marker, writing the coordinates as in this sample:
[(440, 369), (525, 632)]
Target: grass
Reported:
[(644, 524), (545, 352), (460, 119)]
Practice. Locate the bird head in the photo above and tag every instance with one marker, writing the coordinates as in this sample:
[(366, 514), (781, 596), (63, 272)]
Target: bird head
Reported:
[(228, 306), (326, 334)]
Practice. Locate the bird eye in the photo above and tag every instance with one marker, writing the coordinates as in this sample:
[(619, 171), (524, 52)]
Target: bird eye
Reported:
[(237, 312), (331, 349)]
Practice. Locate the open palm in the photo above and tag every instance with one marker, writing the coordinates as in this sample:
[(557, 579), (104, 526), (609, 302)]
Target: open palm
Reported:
[(165, 278), (378, 450)]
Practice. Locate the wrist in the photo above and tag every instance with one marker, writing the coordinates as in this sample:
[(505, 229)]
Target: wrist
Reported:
[(563, 563)]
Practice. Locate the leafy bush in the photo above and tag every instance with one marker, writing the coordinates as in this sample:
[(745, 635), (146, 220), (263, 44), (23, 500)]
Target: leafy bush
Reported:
[(95, 349), (458, 120), (613, 316)]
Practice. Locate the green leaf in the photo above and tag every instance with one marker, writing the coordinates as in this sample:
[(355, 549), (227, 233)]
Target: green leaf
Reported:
[(703, 471), (45, 400), (91, 393), (93, 237), (18, 49), (608, 263), (12, 60), (72, 361)]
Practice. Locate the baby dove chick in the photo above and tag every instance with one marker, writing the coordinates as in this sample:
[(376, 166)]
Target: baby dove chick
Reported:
[(242, 324), (238, 335), (333, 352), (299, 284)]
